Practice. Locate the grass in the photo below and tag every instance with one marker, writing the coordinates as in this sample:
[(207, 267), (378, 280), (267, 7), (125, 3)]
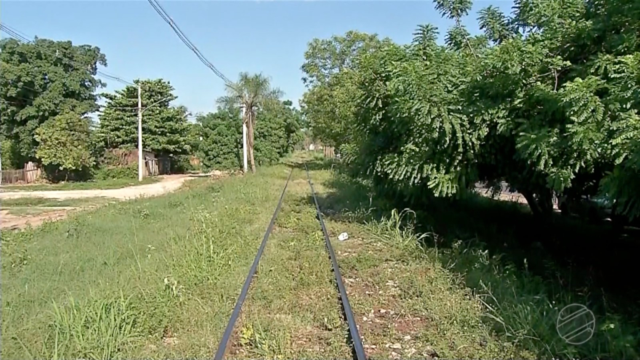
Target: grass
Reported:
[(45, 202), (20, 211), (158, 278), (523, 271), (88, 185), (36, 205)]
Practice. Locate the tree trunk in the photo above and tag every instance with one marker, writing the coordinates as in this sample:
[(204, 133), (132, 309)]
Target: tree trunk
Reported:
[(250, 126), (542, 205), (546, 201)]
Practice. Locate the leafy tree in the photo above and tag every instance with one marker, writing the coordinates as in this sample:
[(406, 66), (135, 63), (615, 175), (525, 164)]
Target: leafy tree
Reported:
[(64, 143), (221, 144), (9, 155), (41, 80), (495, 24), (164, 128), (252, 92), (277, 133), (325, 58), (329, 74), (453, 9), (546, 99), (194, 135)]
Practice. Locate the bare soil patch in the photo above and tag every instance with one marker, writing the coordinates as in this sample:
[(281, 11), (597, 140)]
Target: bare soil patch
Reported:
[(11, 221)]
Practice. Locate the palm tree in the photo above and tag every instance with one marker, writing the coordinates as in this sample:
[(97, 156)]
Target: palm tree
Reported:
[(253, 92)]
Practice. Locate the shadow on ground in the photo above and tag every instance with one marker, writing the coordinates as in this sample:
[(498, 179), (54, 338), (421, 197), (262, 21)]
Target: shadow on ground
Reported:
[(559, 258)]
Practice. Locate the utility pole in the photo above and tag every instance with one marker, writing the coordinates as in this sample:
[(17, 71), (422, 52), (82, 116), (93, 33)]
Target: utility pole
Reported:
[(244, 140), (140, 158)]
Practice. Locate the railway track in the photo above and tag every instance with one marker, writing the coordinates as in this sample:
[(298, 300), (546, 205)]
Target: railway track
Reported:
[(354, 336)]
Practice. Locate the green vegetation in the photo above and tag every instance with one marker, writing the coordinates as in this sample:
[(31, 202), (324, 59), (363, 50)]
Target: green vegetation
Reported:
[(141, 284), (164, 129), (35, 206), (545, 100), (521, 270), (44, 202), (116, 183), (30, 211), (274, 126), (37, 84), (64, 143), (45, 112)]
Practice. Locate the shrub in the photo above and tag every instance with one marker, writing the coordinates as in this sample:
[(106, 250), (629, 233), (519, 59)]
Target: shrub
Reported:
[(121, 172)]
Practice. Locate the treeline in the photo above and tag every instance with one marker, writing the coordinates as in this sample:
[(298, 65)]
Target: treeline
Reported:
[(546, 99), (49, 89), (277, 133)]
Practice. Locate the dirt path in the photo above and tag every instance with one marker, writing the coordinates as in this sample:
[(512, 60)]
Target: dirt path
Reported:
[(167, 184), (8, 221), (12, 222)]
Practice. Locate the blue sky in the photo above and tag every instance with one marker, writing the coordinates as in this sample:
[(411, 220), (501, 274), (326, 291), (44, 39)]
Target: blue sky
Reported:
[(254, 36)]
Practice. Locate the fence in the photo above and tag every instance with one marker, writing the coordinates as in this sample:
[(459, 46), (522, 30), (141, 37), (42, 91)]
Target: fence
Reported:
[(329, 152), (151, 168), (29, 174)]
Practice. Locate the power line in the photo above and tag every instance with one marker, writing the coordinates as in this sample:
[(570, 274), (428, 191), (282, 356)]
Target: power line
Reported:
[(165, 16), (163, 13), (12, 32)]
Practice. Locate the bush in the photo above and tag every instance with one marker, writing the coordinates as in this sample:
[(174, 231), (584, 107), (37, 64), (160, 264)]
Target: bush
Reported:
[(180, 164), (221, 147), (122, 172), (54, 174), (11, 159)]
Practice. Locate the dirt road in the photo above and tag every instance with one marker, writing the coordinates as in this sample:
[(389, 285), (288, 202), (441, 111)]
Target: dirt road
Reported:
[(168, 183)]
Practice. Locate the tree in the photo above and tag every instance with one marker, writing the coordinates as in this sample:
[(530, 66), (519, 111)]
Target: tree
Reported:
[(546, 100), (329, 74), (164, 128), (221, 144), (330, 108), (41, 80), (64, 143), (251, 92), (277, 133)]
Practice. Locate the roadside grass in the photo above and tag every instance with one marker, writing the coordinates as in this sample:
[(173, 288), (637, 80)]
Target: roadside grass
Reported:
[(158, 278), (407, 304), (87, 185), (33, 211), (292, 310), (45, 202), (152, 278), (38, 206), (520, 273)]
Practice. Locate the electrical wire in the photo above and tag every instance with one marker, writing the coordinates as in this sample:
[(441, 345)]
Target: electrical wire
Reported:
[(167, 18), (17, 35)]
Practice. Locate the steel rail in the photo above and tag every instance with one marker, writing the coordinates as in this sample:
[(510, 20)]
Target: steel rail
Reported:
[(245, 288), (353, 329)]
